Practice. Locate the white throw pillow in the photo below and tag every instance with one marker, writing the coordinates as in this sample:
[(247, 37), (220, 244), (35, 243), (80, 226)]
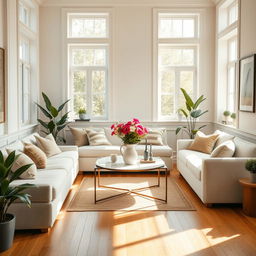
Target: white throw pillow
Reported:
[(22, 160), (97, 137), (154, 137), (48, 145), (226, 149), (223, 136)]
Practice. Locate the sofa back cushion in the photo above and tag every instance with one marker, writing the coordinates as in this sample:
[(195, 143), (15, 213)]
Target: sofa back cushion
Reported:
[(154, 137), (244, 148), (97, 137), (203, 143), (80, 136), (36, 155), (114, 140), (223, 137)]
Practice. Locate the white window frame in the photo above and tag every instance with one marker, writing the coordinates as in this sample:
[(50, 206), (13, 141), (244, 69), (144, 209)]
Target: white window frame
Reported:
[(28, 32), (180, 43), (225, 37), (105, 42)]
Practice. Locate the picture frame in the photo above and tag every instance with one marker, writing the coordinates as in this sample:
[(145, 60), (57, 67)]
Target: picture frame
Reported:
[(247, 81), (2, 85)]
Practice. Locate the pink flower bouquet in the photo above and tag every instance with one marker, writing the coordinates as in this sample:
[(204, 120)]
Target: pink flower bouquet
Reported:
[(131, 132)]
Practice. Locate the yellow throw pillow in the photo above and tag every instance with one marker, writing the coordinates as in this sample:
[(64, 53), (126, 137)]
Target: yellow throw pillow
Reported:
[(80, 136), (22, 160), (48, 145), (204, 143), (36, 154)]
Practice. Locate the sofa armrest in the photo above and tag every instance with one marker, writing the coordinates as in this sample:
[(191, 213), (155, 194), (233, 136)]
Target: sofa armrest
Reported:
[(220, 179), (183, 144), (68, 148)]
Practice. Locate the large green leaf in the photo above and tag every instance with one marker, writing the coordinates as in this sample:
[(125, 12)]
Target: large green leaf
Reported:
[(202, 113), (17, 189), (15, 175), (201, 127), (10, 159), (44, 124), (63, 119), (183, 112), (178, 130), (63, 105), (47, 101), (1, 157), (3, 171), (61, 127), (46, 113), (4, 186), (23, 198), (199, 101), (195, 113), (189, 101), (54, 111), (51, 125)]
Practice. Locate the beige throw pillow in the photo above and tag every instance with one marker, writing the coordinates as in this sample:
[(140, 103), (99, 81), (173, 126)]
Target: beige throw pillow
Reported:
[(97, 137), (36, 155), (154, 137), (80, 136), (222, 137), (48, 145), (22, 160), (203, 143), (226, 149)]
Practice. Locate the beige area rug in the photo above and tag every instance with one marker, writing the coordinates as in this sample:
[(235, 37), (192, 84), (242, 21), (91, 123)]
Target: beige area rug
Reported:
[(83, 200)]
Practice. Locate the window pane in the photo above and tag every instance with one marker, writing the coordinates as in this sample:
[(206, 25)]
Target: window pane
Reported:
[(79, 102), (98, 81), (88, 57), (88, 27), (233, 14), (188, 28), (232, 51), (231, 89), (176, 29), (79, 81), (167, 105), (167, 82), (176, 57), (98, 105)]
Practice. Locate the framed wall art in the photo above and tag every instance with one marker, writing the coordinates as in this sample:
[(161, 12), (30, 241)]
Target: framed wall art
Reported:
[(247, 84)]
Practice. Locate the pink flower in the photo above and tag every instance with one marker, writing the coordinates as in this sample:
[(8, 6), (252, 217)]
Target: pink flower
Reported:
[(112, 133), (113, 126), (136, 121), (126, 129), (140, 132)]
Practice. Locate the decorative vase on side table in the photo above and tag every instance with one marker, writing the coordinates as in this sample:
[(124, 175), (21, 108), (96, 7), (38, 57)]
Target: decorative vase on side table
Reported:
[(130, 133)]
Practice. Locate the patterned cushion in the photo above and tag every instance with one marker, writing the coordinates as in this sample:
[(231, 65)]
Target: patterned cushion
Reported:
[(154, 137), (97, 137)]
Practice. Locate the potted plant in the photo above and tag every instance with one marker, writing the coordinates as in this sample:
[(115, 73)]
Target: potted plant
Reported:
[(226, 114), (251, 167), (57, 121), (8, 194), (233, 116), (191, 113), (130, 133), (82, 113)]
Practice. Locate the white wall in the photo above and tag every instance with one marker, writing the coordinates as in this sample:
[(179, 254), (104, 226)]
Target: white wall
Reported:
[(247, 121), (132, 87)]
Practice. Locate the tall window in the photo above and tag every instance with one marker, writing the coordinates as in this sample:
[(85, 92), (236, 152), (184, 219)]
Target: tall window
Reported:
[(177, 47), (88, 62), (227, 56), (27, 57)]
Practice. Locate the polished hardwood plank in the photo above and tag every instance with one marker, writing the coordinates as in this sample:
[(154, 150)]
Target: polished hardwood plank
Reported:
[(220, 230)]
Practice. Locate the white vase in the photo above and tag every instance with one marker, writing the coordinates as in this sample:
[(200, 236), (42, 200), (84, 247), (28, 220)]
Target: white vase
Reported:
[(129, 153)]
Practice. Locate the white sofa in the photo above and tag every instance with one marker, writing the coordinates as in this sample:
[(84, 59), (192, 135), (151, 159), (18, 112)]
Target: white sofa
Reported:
[(215, 180), (89, 154), (52, 186)]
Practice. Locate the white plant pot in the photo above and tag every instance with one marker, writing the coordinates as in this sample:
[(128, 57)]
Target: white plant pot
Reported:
[(253, 177), (129, 153), (82, 116)]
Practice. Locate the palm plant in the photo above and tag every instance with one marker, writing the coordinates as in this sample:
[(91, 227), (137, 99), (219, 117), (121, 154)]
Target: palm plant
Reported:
[(191, 113), (8, 193), (56, 121)]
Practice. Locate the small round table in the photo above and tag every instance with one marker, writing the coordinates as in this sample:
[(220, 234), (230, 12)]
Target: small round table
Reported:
[(249, 197), (119, 166)]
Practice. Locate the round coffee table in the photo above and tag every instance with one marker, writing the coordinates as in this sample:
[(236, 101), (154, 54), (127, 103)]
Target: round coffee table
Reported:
[(119, 166)]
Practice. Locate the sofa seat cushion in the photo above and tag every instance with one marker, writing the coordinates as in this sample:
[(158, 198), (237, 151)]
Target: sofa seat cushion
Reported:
[(67, 164), (102, 151), (73, 155), (193, 160), (50, 184)]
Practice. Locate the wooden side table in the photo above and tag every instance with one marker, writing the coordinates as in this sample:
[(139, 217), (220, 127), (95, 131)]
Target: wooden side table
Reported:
[(249, 197)]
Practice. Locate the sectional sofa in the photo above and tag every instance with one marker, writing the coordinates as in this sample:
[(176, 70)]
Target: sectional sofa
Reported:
[(52, 186)]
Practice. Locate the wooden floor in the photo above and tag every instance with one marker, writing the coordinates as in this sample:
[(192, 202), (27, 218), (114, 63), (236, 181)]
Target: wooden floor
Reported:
[(221, 230)]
